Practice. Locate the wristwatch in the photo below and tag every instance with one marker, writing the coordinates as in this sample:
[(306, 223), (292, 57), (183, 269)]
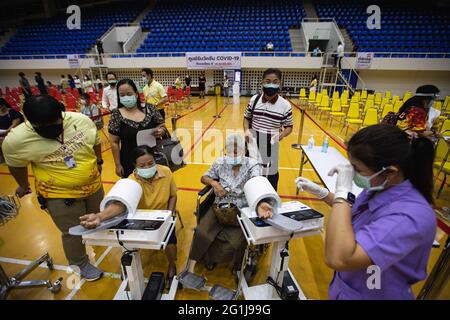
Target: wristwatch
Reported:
[(100, 161), (350, 200)]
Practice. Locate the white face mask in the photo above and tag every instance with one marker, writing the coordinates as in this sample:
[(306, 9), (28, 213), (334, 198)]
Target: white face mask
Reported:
[(234, 161)]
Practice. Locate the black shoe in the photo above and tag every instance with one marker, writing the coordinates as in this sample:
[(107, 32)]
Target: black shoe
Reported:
[(210, 266)]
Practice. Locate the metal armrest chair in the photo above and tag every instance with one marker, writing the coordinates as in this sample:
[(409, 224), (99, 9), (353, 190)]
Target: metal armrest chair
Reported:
[(9, 208)]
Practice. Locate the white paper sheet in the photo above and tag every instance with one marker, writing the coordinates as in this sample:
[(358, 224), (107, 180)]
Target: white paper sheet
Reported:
[(146, 137)]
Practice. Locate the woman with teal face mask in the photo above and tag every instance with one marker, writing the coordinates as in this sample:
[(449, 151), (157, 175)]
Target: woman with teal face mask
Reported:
[(126, 121), (390, 227), (159, 193)]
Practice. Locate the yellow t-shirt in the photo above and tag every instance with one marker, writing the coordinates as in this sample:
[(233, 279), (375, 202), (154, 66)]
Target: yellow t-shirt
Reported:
[(156, 194), (53, 179), (154, 93)]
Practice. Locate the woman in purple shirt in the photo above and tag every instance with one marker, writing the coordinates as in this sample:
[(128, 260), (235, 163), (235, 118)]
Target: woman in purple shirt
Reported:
[(379, 245)]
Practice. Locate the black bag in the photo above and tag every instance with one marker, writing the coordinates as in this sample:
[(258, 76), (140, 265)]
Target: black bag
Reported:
[(169, 152), (391, 118)]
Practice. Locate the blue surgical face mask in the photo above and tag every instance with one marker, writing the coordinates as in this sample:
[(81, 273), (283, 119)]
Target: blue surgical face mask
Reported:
[(146, 173), (234, 161), (364, 182), (128, 101)]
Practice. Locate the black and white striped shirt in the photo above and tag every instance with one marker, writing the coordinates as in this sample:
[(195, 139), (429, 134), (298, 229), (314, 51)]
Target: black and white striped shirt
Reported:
[(269, 117)]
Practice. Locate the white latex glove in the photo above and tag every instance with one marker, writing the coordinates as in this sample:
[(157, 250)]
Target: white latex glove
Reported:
[(344, 181), (304, 184), (275, 139)]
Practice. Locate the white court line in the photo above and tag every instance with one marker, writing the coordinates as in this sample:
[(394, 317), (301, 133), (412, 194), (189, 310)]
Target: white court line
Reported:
[(83, 281)]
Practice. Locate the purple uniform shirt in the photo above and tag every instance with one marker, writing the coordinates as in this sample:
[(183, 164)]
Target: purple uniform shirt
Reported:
[(396, 229)]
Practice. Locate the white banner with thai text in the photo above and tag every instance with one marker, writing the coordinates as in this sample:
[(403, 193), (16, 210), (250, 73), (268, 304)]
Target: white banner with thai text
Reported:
[(364, 60), (213, 60)]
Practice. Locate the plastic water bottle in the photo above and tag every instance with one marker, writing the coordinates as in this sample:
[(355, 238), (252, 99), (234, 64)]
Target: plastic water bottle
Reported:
[(311, 143), (325, 145)]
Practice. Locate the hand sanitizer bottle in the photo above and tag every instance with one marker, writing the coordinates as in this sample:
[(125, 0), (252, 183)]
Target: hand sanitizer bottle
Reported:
[(311, 143), (325, 145)]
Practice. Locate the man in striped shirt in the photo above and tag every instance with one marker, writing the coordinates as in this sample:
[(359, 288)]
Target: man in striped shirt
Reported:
[(268, 120)]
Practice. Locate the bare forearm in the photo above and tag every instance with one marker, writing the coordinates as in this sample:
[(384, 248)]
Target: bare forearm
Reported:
[(20, 174), (287, 131), (115, 149), (162, 101), (340, 242), (246, 124), (208, 181), (98, 151), (172, 203), (112, 210)]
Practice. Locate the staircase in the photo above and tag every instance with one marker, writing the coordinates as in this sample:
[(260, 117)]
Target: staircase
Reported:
[(139, 41), (144, 12), (310, 9), (5, 38), (297, 41), (348, 42)]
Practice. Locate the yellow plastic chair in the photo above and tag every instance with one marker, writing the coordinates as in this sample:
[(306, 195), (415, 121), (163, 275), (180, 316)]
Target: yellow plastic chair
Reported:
[(353, 116), (441, 162), (407, 95), (324, 106), (316, 103), (395, 99), (302, 96), (363, 95), (344, 101), (325, 92), (311, 98), (397, 105), (386, 109), (370, 117), (369, 104), (355, 99), (388, 95), (378, 99), (445, 128), (383, 103), (336, 110), (371, 97), (335, 95)]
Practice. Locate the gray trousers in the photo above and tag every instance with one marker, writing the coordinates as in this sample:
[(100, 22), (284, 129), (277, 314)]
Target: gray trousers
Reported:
[(65, 217)]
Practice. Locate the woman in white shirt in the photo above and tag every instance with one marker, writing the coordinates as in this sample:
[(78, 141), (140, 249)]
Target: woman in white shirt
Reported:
[(87, 85)]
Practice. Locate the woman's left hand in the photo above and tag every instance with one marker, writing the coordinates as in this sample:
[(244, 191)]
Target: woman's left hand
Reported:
[(158, 132), (264, 210)]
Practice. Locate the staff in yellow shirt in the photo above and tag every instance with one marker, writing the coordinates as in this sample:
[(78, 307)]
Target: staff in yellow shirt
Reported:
[(159, 193), (64, 151), (154, 92)]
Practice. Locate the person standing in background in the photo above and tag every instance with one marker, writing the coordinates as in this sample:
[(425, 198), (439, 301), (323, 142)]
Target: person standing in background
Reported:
[(339, 55), (40, 83), (64, 83), (78, 84), (226, 88), (154, 92), (109, 98), (313, 85), (187, 81), (71, 82), (87, 84), (25, 85), (202, 85)]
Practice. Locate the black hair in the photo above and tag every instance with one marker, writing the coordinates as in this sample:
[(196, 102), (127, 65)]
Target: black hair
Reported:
[(110, 72), (21, 74), (42, 109), (135, 89), (86, 76), (85, 96), (420, 98), (49, 83), (384, 145), (148, 71), (274, 71), (69, 76), (39, 74), (139, 151), (63, 76), (4, 103)]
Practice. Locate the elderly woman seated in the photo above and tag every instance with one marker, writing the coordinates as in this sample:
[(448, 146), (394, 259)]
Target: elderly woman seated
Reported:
[(215, 242), (159, 193)]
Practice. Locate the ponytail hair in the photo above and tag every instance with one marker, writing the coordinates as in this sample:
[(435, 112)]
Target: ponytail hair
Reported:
[(384, 145)]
